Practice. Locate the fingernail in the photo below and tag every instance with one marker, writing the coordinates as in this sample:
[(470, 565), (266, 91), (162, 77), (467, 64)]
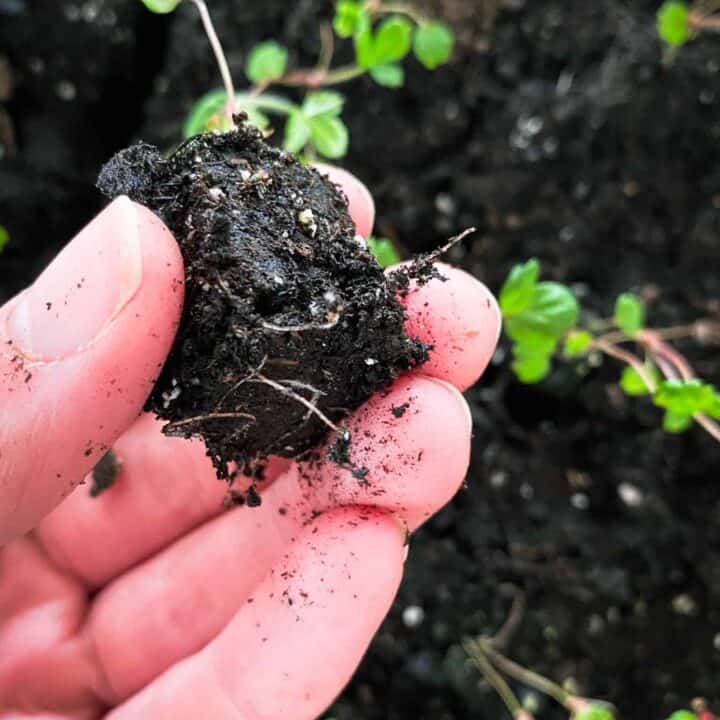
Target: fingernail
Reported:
[(84, 288), (458, 397)]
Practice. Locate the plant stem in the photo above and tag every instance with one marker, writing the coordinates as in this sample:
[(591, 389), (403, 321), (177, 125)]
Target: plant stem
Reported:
[(655, 344), (698, 329), (477, 654), (219, 54), (312, 78), (271, 103), (327, 47), (402, 9), (629, 359), (703, 22), (529, 677)]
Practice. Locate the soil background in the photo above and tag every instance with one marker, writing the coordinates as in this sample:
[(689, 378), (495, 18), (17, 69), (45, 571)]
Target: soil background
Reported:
[(558, 131)]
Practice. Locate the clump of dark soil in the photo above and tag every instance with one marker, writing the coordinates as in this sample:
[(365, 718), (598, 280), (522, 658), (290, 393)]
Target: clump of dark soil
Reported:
[(289, 322)]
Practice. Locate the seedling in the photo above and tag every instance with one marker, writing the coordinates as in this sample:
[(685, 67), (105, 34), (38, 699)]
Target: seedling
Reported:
[(541, 320), (382, 36), (678, 23), (497, 668), (4, 238)]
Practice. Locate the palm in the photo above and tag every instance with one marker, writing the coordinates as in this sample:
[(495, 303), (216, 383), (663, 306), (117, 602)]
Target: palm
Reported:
[(151, 601)]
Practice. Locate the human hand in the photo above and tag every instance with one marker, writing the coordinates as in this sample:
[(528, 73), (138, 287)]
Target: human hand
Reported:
[(150, 601)]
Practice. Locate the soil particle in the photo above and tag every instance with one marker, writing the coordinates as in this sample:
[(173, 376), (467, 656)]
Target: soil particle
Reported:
[(399, 410), (284, 308), (105, 473)]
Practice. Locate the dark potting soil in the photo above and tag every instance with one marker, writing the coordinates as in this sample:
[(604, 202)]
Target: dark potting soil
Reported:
[(559, 132), (289, 323)]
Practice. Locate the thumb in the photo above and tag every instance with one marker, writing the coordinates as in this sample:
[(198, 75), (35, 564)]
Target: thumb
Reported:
[(79, 352)]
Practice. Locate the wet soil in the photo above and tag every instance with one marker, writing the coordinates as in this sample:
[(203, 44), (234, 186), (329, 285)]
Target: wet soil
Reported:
[(559, 132)]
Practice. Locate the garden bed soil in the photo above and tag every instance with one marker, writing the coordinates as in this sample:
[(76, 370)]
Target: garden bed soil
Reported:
[(559, 132)]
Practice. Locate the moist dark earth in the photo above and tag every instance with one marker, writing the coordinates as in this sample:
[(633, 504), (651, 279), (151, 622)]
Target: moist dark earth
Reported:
[(559, 133), (289, 323)]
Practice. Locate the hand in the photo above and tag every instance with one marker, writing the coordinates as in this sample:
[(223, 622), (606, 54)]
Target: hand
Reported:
[(150, 601)]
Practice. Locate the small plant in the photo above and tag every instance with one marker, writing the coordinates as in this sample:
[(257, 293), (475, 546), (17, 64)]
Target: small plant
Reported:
[(541, 320), (383, 35), (495, 667), (4, 238), (678, 23)]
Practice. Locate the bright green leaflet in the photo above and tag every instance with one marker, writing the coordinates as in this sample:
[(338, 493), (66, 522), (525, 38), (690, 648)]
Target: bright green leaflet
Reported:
[(595, 712), (433, 44), (384, 251), (297, 132), (323, 102), (350, 17), (577, 343), (529, 364), (686, 397), (267, 61), (629, 313), (633, 384), (676, 422), (161, 7), (390, 43), (683, 715), (552, 311), (673, 25), (4, 238), (329, 135), (390, 75), (393, 40), (517, 291)]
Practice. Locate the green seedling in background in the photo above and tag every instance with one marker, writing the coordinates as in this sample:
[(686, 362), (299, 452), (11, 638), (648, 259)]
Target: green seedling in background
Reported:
[(382, 37), (542, 317), (4, 238), (497, 668), (677, 22), (384, 251)]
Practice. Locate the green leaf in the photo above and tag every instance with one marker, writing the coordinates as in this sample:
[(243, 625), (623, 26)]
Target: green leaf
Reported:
[(388, 75), (384, 251), (683, 715), (552, 311), (267, 61), (595, 711), (632, 383), (676, 422), (577, 343), (329, 135), (161, 7), (686, 397), (433, 44), (297, 132), (254, 117), (208, 113), (4, 238), (323, 102), (673, 23), (365, 48), (629, 313), (517, 291), (392, 40), (529, 365), (207, 107), (350, 18)]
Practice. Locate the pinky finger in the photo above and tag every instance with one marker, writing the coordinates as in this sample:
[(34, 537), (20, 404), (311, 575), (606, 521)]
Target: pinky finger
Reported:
[(294, 645)]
